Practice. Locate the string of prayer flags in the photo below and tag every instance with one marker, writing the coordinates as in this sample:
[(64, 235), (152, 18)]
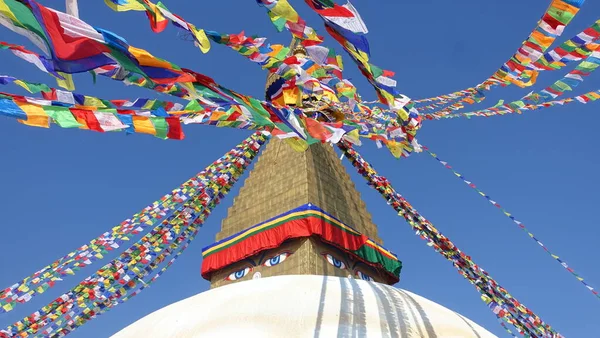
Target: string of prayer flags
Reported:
[(70, 264), (194, 86), (97, 306), (42, 63), (137, 267), (289, 122), (77, 47), (571, 50), (211, 93), (77, 319), (552, 24), (590, 62), (115, 72), (119, 274), (31, 113), (255, 49), (313, 77), (345, 25), (496, 297), (63, 97), (516, 221), (517, 107), (522, 68), (33, 88), (217, 188)]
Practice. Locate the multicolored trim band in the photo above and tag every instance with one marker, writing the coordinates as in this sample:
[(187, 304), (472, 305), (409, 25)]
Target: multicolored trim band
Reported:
[(305, 221)]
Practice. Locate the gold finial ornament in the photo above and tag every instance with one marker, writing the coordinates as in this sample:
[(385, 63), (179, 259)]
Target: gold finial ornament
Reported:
[(296, 48)]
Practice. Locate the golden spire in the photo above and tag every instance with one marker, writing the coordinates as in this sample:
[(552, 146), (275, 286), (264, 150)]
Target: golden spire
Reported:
[(296, 48)]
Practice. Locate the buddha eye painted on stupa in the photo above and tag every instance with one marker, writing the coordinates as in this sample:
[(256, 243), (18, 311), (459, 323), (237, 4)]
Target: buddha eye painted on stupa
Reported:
[(331, 259), (239, 274), (277, 259)]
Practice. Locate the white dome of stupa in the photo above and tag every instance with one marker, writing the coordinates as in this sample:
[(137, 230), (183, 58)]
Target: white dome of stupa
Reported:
[(305, 306)]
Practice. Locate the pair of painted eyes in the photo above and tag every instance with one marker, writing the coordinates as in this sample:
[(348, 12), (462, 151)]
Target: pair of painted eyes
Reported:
[(277, 259), (341, 265)]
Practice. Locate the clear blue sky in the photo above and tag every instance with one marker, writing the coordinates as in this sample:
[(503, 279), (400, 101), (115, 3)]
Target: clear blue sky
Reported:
[(59, 188)]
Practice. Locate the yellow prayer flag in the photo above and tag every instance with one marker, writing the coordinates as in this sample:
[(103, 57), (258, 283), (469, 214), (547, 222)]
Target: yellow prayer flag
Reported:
[(93, 102), (36, 116), (201, 38), (129, 6), (143, 124), (216, 115), (147, 59), (395, 148), (67, 83), (283, 9), (543, 40), (354, 137), (149, 104)]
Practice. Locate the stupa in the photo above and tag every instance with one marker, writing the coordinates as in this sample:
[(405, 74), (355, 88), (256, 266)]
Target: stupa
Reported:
[(299, 256)]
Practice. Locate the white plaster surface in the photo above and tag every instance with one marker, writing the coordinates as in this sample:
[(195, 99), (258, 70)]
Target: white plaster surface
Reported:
[(305, 306)]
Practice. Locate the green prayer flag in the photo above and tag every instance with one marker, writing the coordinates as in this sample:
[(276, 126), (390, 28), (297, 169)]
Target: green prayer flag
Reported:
[(25, 18), (563, 17), (193, 105), (377, 72), (62, 116), (259, 115), (278, 22), (161, 126)]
